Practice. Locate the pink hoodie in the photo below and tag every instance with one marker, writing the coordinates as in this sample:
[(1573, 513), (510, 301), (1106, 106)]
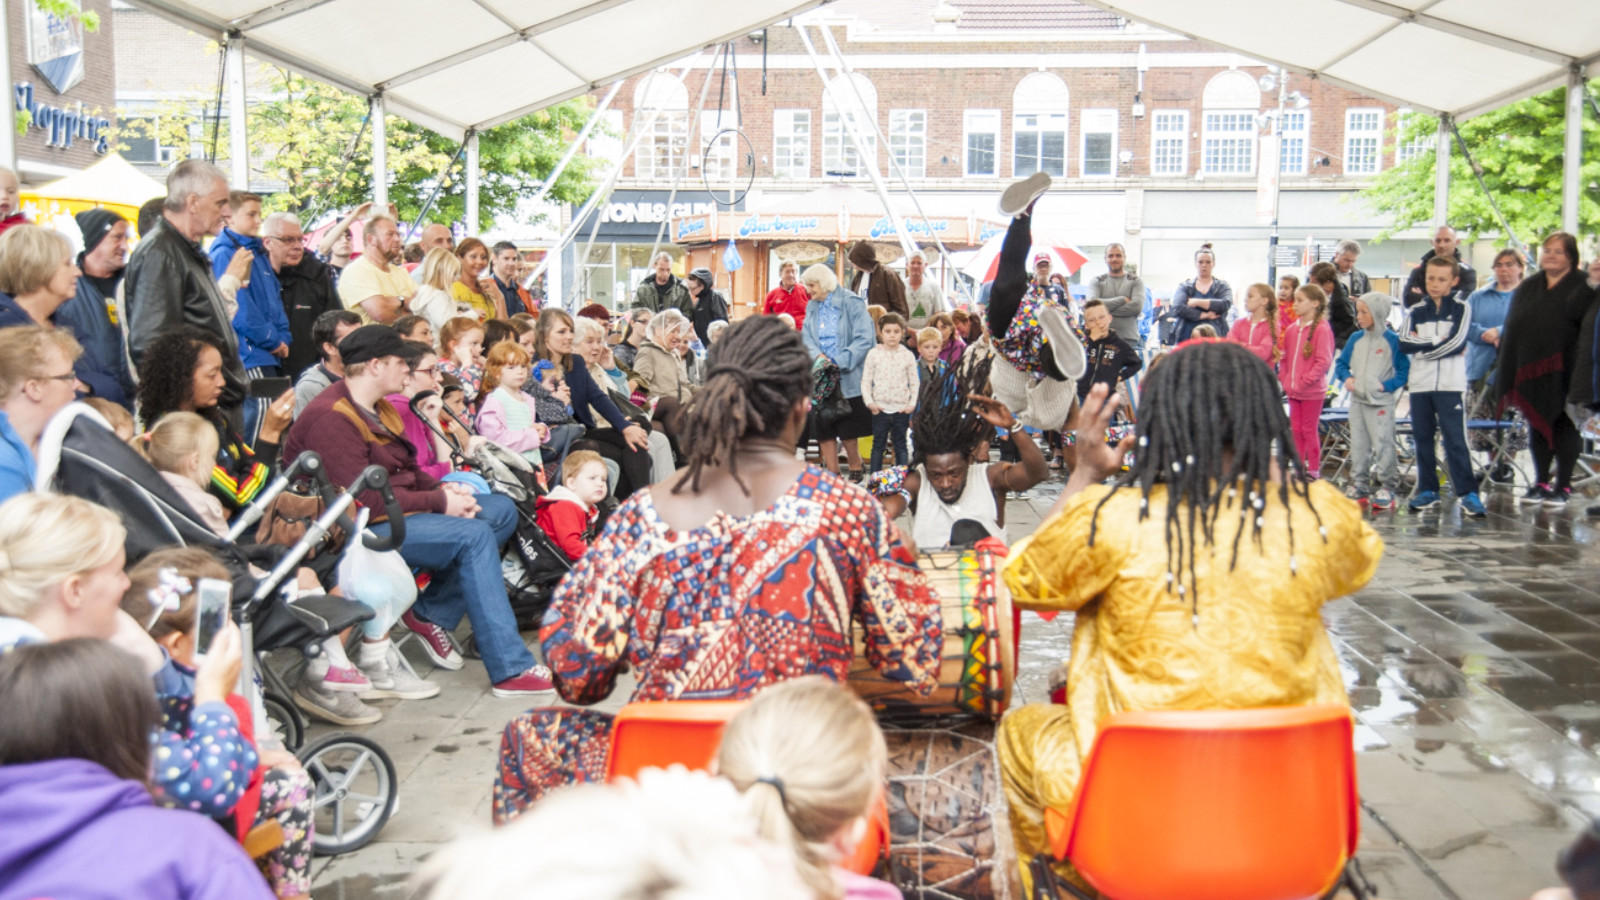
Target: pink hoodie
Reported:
[(1302, 378), (1255, 336)]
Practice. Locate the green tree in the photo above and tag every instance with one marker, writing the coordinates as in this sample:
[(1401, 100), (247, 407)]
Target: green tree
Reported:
[(312, 144), (1519, 148)]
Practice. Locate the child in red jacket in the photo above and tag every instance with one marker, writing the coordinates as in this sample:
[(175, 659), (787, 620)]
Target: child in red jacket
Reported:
[(568, 513)]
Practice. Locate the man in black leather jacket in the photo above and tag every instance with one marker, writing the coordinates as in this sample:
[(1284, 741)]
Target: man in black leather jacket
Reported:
[(169, 281)]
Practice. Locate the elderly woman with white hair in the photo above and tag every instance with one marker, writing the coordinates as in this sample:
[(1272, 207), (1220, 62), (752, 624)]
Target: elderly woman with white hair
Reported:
[(659, 363), (839, 329), (589, 342)]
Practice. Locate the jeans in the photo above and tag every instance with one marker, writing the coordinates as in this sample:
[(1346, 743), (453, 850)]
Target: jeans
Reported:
[(1433, 412), (889, 426), (463, 556)]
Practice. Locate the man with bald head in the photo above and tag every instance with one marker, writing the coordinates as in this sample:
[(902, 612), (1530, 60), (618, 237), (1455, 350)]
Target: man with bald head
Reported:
[(1447, 245), (434, 235)]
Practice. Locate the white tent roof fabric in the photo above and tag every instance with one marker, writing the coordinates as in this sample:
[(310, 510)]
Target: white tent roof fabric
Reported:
[(1462, 57), (474, 64)]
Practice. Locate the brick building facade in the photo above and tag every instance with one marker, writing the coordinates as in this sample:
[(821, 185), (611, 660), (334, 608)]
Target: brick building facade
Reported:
[(70, 129)]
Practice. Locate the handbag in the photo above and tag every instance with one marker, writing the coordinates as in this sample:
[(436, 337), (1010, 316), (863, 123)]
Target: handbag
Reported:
[(289, 517)]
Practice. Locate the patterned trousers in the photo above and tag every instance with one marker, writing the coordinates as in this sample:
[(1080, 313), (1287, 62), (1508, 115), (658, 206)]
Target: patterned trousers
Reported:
[(286, 796), (545, 749)]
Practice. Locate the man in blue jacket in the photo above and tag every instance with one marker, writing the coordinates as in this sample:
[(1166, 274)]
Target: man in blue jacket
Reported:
[(1435, 337), (92, 314), (260, 323)]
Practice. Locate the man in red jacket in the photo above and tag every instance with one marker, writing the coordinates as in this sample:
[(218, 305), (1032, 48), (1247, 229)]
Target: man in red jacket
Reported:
[(451, 532)]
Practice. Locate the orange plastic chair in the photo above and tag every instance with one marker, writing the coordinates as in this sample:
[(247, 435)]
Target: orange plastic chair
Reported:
[(1255, 804), (659, 733)]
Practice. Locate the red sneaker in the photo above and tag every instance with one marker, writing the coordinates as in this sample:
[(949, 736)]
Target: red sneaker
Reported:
[(534, 681), (435, 640)]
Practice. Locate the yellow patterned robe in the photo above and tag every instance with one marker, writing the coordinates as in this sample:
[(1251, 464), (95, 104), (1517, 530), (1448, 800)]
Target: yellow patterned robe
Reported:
[(1259, 639)]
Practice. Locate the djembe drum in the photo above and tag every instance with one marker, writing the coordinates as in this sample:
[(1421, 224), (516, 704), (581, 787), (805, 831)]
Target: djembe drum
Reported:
[(948, 832)]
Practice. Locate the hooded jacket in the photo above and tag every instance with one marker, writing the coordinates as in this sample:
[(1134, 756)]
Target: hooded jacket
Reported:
[(884, 287), (308, 292), (1373, 358), (74, 829), (568, 520), (88, 367), (709, 307), (661, 373), (169, 283), (260, 322)]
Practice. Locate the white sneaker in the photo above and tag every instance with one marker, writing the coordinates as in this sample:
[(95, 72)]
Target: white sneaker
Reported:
[(1020, 195), (392, 679)]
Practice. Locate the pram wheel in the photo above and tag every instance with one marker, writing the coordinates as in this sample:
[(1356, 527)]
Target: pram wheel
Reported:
[(356, 791), (284, 720)]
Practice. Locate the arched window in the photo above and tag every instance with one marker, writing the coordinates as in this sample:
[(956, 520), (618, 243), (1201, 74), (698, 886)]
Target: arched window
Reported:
[(1039, 108), (1228, 132), (661, 149), (860, 103)]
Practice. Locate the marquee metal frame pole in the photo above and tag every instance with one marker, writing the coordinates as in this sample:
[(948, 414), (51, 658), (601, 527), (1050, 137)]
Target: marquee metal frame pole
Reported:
[(238, 121), (683, 168), (380, 152), (1572, 159)]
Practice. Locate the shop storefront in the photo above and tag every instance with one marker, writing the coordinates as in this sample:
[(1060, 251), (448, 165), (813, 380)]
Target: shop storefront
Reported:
[(619, 258)]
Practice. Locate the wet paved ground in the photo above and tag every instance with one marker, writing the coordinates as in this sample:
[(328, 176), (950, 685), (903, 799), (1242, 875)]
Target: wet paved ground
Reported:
[(1472, 659)]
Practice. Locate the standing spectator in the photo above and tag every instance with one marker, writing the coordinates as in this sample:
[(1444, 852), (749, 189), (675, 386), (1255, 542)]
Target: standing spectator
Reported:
[(10, 201), (1341, 316), (929, 366), (709, 304), (434, 237), (788, 297), (889, 386), (1435, 335), (1109, 358), (1046, 286), (308, 290), (260, 323), (1445, 245), (37, 276), (953, 345), (1287, 285), (169, 281), (1490, 307), (91, 313), (1354, 280), (326, 333), (507, 263), (1538, 355), (1373, 370), (372, 286), (475, 286), (663, 290), (335, 246), (1259, 331), (922, 295), (876, 284), (35, 383), (1122, 293), (1202, 298), (1307, 359), (1583, 397), (839, 330)]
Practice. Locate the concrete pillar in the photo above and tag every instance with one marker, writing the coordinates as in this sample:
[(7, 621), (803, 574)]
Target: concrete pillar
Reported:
[(380, 154), (1441, 176), (1572, 158), (238, 123), (8, 117), (472, 183)]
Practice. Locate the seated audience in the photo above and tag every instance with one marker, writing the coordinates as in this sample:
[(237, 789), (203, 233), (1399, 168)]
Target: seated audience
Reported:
[(115, 414), (329, 329), (433, 302), (450, 533), (1188, 545), (625, 443), (570, 511), (37, 276), (506, 415), (810, 760), (435, 454), (461, 354), (724, 577), (659, 364), (415, 328), (75, 762), (663, 418), (36, 381)]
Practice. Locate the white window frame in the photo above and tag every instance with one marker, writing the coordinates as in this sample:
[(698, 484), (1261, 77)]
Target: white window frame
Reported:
[(977, 122), (1404, 150), (716, 162), (839, 152), (1239, 135), (908, 141), (1294, 153), (1093, 122), (1036, 126), (791, 143), (1174, 139), (1363, 140), (660, 151)]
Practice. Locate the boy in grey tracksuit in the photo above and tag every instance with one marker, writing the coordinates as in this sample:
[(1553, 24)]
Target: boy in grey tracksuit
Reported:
[(1374, 370)]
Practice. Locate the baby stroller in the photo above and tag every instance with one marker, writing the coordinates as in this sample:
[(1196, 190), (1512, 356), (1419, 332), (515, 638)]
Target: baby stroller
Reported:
[(356, 784)]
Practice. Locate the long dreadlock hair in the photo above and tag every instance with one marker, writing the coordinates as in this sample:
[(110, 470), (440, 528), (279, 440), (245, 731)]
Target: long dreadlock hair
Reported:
[(1200, 403), (944, 421), (756, 372)]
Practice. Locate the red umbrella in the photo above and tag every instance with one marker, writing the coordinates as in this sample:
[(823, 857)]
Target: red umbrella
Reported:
[(1065, 257)]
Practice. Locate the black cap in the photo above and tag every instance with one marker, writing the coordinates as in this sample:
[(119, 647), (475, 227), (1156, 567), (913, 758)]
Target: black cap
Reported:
[(370, 342), (96, 224)]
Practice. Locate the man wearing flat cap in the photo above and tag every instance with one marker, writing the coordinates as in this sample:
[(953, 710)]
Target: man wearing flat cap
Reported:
[(92, 314)]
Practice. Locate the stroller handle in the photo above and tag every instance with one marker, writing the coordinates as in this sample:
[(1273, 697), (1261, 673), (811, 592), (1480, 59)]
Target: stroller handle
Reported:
[(375, 478)]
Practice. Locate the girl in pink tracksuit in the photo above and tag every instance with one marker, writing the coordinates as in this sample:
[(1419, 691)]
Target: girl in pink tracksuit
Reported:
[(1303, 370)]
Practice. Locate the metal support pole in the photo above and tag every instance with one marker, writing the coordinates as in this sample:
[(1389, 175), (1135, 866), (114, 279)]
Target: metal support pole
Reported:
[(1441, 175), (238, 127), (1572, 159), (1277, 181), (380, 153), (472, 183), (683, 168), (844, 67), (8, 115)]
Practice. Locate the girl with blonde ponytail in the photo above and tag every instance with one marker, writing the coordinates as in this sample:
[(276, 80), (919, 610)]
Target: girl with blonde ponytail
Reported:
[(810, 760)]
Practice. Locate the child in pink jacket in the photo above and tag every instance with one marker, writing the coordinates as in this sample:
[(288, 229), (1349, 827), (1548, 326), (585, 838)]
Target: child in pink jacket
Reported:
[(1303, 370)]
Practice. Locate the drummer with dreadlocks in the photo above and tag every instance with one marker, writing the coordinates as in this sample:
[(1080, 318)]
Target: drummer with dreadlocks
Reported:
[(946, 483), (1197, 577)]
